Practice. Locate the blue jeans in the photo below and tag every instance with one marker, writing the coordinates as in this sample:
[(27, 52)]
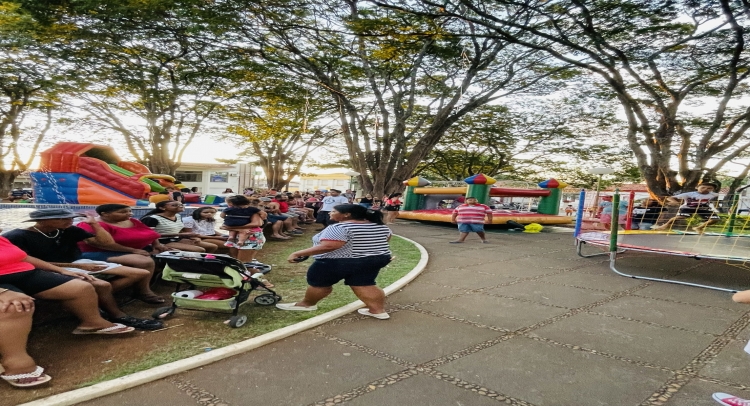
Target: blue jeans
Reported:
[(470, 228)]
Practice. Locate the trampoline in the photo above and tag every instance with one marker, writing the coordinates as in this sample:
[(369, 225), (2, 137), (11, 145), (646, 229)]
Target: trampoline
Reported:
[(733, 249), (731, 245)]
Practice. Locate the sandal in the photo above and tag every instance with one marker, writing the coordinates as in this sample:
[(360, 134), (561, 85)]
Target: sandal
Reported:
[(117, 328), (28, 380), (150, 298), (140, 324)]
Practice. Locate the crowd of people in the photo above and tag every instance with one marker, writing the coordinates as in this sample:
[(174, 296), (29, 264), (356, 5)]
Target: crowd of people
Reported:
[(81, 265)]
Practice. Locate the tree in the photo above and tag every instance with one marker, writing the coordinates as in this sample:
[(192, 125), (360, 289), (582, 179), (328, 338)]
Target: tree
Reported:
[(531, 139), (658, 59), (145, 74), (398, 81), (30, 82), (281, 131)]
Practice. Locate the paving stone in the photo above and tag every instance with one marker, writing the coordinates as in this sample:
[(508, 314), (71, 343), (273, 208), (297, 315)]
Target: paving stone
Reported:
[(744, 334), (710, 320), (298, 370), (629, 339), (414, 337), (698, 393), (455, 261), (155, 393), (700, 296), (521, 267), (420, 292), (461, 278), (421, 390), (732, 364), (602, 282), (566, 296), (548, 375), (494, 311), (717, 273)]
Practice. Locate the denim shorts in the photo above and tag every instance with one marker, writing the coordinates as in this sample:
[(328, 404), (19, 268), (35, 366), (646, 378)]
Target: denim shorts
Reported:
[(325, 272), (470, 228)]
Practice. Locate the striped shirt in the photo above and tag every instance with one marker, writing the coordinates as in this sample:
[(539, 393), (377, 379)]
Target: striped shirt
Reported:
[(471, 214), (163, 225), (362, 240)]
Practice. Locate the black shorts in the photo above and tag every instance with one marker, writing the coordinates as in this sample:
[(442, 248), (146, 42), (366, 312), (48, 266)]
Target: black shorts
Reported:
[(703, 212), (323, 217), (33, 282), (327, 272), (392, 208)]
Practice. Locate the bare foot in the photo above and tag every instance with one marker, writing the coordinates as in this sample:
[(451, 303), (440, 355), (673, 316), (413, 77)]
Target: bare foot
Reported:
[(699, 230)]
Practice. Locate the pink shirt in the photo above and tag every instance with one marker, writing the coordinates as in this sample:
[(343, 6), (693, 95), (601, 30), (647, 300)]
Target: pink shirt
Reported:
[(11, 258), (136, 237), (471, 214)]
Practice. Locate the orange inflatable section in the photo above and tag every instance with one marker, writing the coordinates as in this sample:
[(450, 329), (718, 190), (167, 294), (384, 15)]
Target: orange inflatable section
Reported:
[(63, 157), (93, 193)]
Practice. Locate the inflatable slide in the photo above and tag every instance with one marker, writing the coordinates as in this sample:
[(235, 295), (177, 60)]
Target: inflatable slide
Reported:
[(79, 173)]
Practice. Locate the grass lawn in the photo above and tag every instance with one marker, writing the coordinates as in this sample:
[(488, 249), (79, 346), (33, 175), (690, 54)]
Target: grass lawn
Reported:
[(202, 331)]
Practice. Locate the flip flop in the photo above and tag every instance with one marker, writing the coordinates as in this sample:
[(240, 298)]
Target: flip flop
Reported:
[(27, 380), (117, 328)]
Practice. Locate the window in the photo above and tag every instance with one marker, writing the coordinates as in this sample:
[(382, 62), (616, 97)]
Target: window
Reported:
[(219, 176), (189, 176)]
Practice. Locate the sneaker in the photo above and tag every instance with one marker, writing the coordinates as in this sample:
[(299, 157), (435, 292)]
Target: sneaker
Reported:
[(381, 316), (729, 400), (294, 307)]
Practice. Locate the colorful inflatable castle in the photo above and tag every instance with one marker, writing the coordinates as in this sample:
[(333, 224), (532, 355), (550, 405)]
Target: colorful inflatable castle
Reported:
[(423, 202), (79, 173)]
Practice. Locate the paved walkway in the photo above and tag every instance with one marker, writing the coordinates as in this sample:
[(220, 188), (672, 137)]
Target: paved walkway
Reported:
[(520, 321)]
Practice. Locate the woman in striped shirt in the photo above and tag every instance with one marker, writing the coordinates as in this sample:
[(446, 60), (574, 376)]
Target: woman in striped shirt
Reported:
[(353, 249)]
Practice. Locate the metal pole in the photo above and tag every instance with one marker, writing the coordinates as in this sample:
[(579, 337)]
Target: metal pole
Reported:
[(631, 205), (579, 216), (613, 223)]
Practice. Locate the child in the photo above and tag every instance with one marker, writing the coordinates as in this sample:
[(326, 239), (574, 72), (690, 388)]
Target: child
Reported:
[(470, 218), (569, 210), (695, 203), (238, 213), (377, 205)]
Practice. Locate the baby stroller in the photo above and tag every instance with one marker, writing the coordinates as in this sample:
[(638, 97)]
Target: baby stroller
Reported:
[(211, 271)]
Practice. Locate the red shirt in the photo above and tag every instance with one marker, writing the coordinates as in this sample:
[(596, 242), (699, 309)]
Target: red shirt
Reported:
[(136, 237), (283, 206), (471, 214), (11, 258)]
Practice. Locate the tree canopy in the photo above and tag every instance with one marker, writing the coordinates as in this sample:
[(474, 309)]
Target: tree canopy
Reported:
[(678, 69)]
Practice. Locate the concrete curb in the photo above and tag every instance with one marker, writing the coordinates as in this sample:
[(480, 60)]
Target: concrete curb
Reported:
[(139, 378)]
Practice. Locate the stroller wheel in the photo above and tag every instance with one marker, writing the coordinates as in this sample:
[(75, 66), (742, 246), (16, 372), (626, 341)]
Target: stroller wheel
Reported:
[(266, 299), (237, 321), (163, 313)]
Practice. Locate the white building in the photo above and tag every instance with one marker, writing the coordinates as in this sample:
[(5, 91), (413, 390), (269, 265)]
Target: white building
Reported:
[(212, 179)]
